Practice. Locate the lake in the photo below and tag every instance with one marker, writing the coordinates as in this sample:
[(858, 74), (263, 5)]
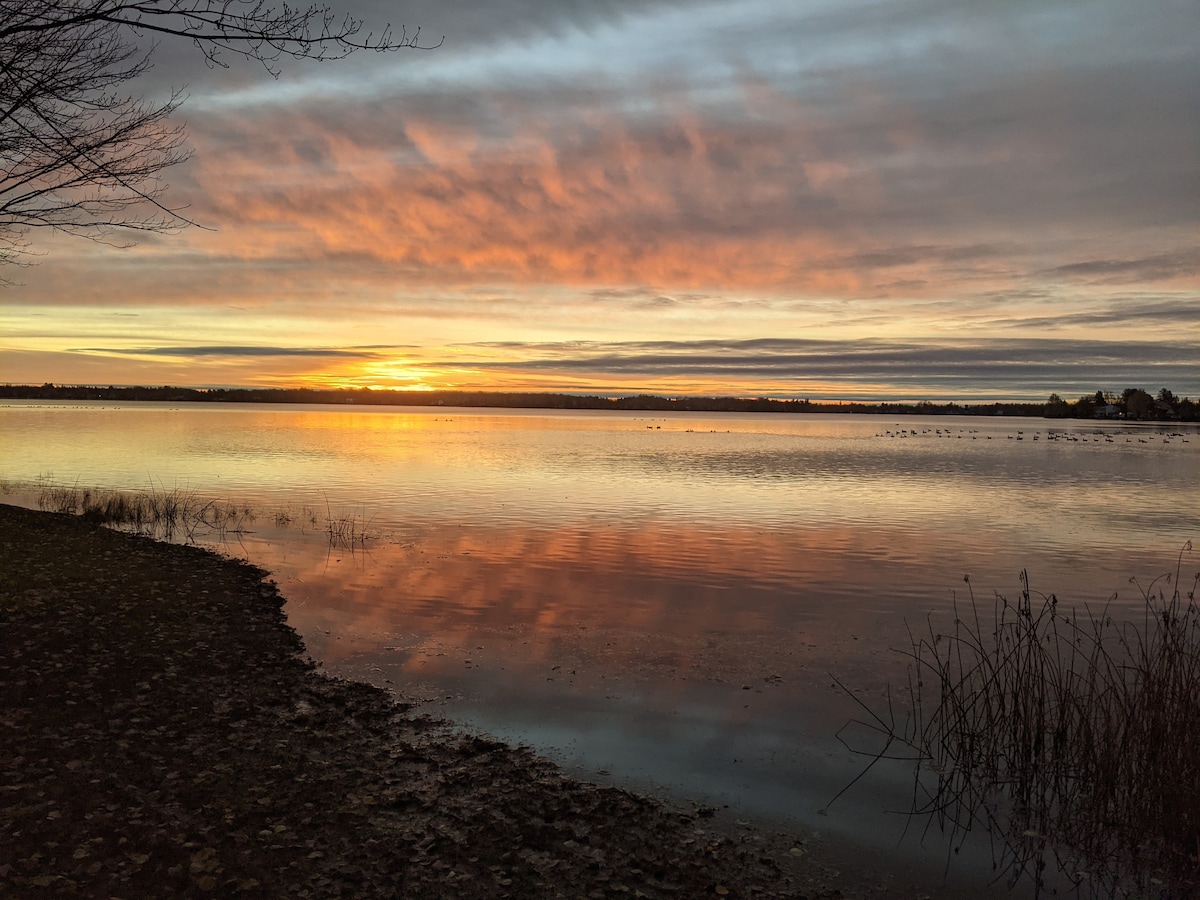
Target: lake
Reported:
[(660, 600)]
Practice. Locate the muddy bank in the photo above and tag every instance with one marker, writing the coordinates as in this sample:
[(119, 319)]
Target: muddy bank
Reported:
[(163, 734)]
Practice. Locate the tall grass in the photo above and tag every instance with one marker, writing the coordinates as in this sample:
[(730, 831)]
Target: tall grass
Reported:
[(1073, 739), (59, 498), (345, 531), (157, 512), (179, 513)]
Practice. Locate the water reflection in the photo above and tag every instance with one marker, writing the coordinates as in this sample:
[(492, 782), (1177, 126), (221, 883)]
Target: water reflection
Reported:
[(653, 582)]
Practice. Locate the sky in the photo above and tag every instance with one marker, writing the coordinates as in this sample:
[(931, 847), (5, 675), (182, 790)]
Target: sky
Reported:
[(831, 199)]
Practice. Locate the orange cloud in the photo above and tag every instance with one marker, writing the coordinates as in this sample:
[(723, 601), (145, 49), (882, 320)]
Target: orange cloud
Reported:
[(690, 205)]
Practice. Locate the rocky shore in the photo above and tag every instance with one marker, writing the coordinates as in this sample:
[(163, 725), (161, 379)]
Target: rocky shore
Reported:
[(162, 734)]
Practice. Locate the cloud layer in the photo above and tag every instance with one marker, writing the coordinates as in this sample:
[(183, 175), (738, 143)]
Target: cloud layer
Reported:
[(861, 369), (926, 174)]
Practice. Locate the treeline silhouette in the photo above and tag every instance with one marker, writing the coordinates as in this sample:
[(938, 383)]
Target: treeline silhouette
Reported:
[(1132, 404)]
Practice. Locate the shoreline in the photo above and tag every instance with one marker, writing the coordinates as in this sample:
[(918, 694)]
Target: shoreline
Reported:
[(164, 734), (1176, 411)]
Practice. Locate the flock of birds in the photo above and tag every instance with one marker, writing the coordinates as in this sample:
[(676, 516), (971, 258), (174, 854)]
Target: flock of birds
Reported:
[(1050, 435)]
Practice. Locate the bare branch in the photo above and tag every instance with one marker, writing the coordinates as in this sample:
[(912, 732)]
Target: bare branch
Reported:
[(79, 156)]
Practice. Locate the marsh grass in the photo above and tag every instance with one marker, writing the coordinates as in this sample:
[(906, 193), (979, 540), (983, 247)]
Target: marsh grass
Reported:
[(1072, 739), (59, 498), (180, 513), (304, 517), (346, 531), (157, 512)]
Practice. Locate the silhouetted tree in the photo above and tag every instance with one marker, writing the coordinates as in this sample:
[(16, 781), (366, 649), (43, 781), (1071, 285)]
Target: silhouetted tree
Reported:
[(1137, 404), (78, 155), (1056, 408), (1085, 406)]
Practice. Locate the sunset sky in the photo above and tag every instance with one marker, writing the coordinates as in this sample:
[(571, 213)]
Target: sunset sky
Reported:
[(835, 199)]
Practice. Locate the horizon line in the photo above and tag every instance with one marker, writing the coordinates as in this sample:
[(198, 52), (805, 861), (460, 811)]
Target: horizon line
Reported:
[(576, 394)]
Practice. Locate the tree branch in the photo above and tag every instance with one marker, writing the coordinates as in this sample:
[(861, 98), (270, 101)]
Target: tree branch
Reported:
[(77, 156)]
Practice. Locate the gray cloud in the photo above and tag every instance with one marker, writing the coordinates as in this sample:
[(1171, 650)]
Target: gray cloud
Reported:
[(1141, 314), (1159, 267), (1033, 364), (1010, 368)]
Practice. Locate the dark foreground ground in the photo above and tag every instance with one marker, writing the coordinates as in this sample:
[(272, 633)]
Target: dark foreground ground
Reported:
[(161, 734)]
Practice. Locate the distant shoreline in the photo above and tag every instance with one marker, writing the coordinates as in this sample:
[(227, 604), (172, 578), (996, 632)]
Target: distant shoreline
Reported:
[(508, 400), (1134, 405)]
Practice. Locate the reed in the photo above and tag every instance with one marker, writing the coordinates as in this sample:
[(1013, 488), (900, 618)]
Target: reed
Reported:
[(1073, 739), (345, 531), (306, 517), (59, 498), (224, 517), (175, 513), (157, 512)]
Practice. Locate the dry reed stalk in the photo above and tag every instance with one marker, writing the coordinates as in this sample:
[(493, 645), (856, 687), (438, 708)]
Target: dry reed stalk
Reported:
[(156, 512), (1072, 739)]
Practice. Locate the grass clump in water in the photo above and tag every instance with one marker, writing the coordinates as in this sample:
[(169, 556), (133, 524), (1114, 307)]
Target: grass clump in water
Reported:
[(345, 531), (1072, 738), (158, 512), (59, 498), (178, 513)]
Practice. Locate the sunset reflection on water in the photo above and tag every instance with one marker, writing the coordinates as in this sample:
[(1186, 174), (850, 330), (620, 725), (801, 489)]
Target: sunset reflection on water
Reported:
[(670, 585), (675, 655)]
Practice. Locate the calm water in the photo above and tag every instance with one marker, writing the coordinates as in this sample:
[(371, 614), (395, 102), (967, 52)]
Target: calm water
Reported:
[(663, 600)]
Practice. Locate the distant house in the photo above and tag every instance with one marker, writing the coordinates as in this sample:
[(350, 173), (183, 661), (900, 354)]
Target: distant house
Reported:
[(1165, 410), (1109, 411)]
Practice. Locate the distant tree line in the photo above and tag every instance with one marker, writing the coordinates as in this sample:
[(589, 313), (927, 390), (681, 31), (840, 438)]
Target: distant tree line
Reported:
[(1133, 404), (501, 400)]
